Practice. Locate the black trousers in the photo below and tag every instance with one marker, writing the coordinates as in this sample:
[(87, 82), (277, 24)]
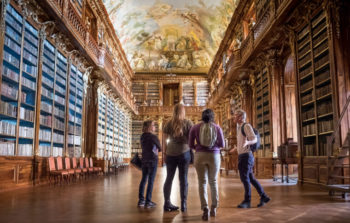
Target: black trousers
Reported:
[(245, 167), (172, 162), (149, 170)]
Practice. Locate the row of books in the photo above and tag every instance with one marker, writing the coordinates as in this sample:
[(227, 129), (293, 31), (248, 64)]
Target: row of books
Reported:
[(7, 128), (11, 59), (46, 120), (310, 149), (57, 151), (30, 48), (306, 85), (31, 38), (44, 135), (46, 107), (60, 89), (318, 28), (58, 124), (304, 50), (324, 108), (26, 132), (26, 114), (30, 69), (10, 74), (309, 129), (304, 60), (73, 139), (307, 98), (324, 90), (308, 114), (46, 93), (323, 60), (31, 58), (28, 83), (324, 75), (47, 81), (305, 71), (8, 109), (74, 151), (325, 126), (9, 91), (44, 150), (60, 99), (58, 138), (12, 45), (25, 149), (60, 113), (7, 148), (320, 48)]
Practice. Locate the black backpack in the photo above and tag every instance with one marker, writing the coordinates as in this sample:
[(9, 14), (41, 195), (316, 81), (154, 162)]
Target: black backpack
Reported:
[(255, 146)]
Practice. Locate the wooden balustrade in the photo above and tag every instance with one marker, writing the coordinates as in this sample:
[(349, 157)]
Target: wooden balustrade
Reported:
[(76, 21), (260, 27)]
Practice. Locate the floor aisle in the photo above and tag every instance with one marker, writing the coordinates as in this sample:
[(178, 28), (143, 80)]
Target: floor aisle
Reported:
[(114, 199)]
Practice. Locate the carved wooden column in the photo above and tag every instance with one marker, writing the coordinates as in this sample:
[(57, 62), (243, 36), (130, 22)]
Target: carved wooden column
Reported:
[(87, 86), (160, 94), (145, 93), (180, 92), (275, 72), (195, 93), (92, 119)]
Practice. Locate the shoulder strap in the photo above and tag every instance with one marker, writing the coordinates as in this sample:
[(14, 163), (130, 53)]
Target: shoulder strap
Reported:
[(242, 130)]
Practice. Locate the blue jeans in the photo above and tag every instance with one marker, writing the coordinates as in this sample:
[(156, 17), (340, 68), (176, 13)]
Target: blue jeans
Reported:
[(172, 162), (245, 167), (149, 170)]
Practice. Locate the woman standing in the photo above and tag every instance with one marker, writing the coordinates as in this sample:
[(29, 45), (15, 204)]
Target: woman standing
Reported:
[(150, 147), (176, 131), (209, 139)]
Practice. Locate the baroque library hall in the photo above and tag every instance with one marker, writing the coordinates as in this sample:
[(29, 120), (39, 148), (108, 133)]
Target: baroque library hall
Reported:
[(101, 101)]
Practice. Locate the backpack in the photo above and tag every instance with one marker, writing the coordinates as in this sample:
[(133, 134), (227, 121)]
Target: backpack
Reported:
[(256, 145), (207, 135)]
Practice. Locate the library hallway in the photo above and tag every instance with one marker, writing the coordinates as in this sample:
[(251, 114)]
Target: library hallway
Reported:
[(114, 198)]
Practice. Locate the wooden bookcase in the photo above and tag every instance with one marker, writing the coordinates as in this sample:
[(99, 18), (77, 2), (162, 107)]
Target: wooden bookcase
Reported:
[(18, 86), (153, 94), (314, 85), (263, 111), (136, 134), (58, 107), (202, 93), (188, 93), (138, 90), (113, 129)]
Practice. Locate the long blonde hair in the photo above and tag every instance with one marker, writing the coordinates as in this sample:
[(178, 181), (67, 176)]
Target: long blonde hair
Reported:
[(177, 120)]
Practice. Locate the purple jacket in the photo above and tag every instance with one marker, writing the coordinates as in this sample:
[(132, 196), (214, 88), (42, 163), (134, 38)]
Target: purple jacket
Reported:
[(194, 137)]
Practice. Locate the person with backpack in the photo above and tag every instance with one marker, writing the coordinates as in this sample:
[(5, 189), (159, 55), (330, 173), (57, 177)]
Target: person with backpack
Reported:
[(176, 132), (207, 138), (248, 140)]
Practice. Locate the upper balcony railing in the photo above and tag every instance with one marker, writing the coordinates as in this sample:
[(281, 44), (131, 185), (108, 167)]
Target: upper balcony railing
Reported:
[(102, 57)]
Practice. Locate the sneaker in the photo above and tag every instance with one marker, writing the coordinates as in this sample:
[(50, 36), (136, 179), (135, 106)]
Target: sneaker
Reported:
[(170, 207), (141, 203), (150, 204), (263, 200), (244, 204), (212, 212), (205, 216)]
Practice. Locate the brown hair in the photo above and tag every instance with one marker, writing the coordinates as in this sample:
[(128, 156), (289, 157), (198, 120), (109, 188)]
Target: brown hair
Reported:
[(146, 125), (177, 120)]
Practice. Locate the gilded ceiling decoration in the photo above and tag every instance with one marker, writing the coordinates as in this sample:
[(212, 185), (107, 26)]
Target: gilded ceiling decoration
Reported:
[(171, 36)]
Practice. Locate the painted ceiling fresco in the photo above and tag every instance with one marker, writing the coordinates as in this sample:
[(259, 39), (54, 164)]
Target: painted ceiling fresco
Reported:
[(172, 36)]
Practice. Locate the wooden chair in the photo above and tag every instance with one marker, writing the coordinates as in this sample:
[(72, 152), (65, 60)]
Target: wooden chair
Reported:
[(97, 169), (90, 169), (59, 173), (78, 171), (81, 166), (71, 172)]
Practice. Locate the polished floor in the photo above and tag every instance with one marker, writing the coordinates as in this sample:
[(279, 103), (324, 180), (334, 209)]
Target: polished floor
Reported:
[(114, 198)]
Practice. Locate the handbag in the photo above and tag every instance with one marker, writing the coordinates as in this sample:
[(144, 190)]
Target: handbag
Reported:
[(136, 161)]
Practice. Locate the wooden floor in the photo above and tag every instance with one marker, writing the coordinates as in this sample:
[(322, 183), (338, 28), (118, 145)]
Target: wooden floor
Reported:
[(114, 199)]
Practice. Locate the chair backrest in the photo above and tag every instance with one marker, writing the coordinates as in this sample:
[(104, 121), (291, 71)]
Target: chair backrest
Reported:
[(74, 163), (91, 162), (81, 163), (59, 163), (87, 162), (52, 166), (67, 162)]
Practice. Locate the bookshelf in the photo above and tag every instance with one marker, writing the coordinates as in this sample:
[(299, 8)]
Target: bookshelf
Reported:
[(113, 132), (136, 134), (18, 86), (153, 94), (202, 93), (138, 90), (315, 85), (75, 109), (188, 93), (263, 111)]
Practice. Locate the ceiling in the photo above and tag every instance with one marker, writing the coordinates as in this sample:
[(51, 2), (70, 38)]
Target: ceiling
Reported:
[(170, 36)]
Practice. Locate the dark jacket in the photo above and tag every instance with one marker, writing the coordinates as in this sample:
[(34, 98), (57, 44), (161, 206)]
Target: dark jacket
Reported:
[(150, 146)]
